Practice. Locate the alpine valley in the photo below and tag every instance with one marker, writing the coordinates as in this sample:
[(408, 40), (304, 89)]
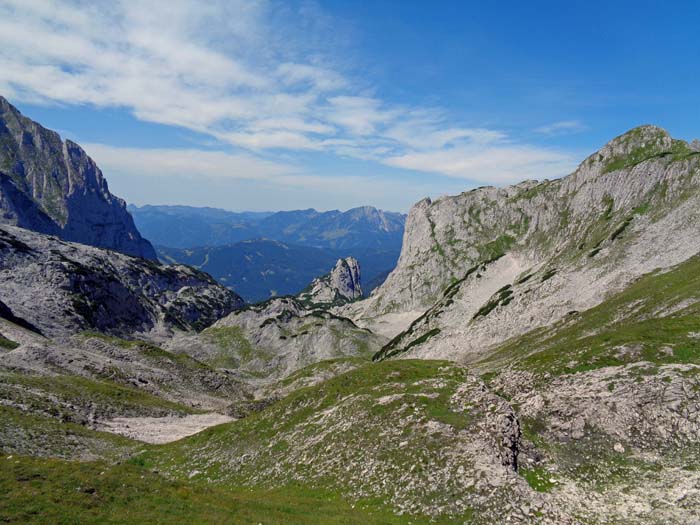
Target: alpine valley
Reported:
[(532, 357), (263, 255)]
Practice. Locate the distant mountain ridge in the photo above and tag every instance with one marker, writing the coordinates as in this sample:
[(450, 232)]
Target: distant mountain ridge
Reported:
[(258, 269), (266, 254), (52, 186), (189, 227)]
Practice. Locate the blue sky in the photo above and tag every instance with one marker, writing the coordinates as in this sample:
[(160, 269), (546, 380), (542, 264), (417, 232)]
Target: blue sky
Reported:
[(264, 105)]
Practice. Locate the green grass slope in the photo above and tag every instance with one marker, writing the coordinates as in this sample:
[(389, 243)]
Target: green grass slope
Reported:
[(422, 438), (64, 492), (656, 320)]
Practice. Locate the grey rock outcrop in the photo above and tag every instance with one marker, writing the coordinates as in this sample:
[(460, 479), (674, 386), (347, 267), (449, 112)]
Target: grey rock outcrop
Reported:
[(493, 263), (341, 285), (52, 186), (141, 366), (61, 288), (269, 341)]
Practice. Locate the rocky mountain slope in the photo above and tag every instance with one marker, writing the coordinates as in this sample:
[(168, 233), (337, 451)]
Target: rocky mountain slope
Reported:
[(424, 438), (52, 186), (267, 342), (592, 420), (495, 262), (62, 288), (59, 397), (270, 341), (342, 285)]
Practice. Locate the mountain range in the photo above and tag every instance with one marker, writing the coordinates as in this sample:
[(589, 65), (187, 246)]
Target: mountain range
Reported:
[(189, 227), (262, 268), (534, 357), (262, 254)]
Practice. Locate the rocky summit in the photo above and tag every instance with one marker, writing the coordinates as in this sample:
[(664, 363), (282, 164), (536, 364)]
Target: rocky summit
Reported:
[(493, 263), (342, 285), (52, 186), (534, 357), (272, 340)]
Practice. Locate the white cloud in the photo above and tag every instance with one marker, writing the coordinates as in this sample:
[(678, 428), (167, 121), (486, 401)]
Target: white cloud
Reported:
[(498, 165), (226, 68), (178, 175), (267, 139), (561, 128), (425, 129), (360, 116), (190, 163), (203, 164), (323, 79)]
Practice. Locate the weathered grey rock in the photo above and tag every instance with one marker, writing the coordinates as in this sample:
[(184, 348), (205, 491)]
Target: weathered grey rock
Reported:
[(61, 288), (342, 285), (269, 341), (52, 186), (632, 429), (494, 263), (134, 364)]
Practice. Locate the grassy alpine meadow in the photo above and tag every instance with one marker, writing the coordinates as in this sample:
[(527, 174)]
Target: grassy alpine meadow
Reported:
[(68, 492)]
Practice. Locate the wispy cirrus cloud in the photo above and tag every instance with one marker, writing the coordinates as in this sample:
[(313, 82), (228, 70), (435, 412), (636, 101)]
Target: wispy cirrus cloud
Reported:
[(234, 71), (495, 165), (563, 127), (190, 163)]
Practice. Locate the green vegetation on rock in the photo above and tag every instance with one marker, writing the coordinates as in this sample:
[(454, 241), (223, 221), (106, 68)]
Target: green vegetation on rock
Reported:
[(58, 395), (627, 328), (234, 347), (7, 344), (44, 436)]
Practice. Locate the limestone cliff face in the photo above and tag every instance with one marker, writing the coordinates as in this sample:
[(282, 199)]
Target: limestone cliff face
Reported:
[(493, 263), (444, 238), (54, 187), (342, 285), (60, 288)]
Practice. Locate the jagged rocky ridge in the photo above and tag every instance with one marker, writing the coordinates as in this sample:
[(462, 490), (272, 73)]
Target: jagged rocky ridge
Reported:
[(62, 288), (340, 286), (271, 340), (52, 186), (494, 263)]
